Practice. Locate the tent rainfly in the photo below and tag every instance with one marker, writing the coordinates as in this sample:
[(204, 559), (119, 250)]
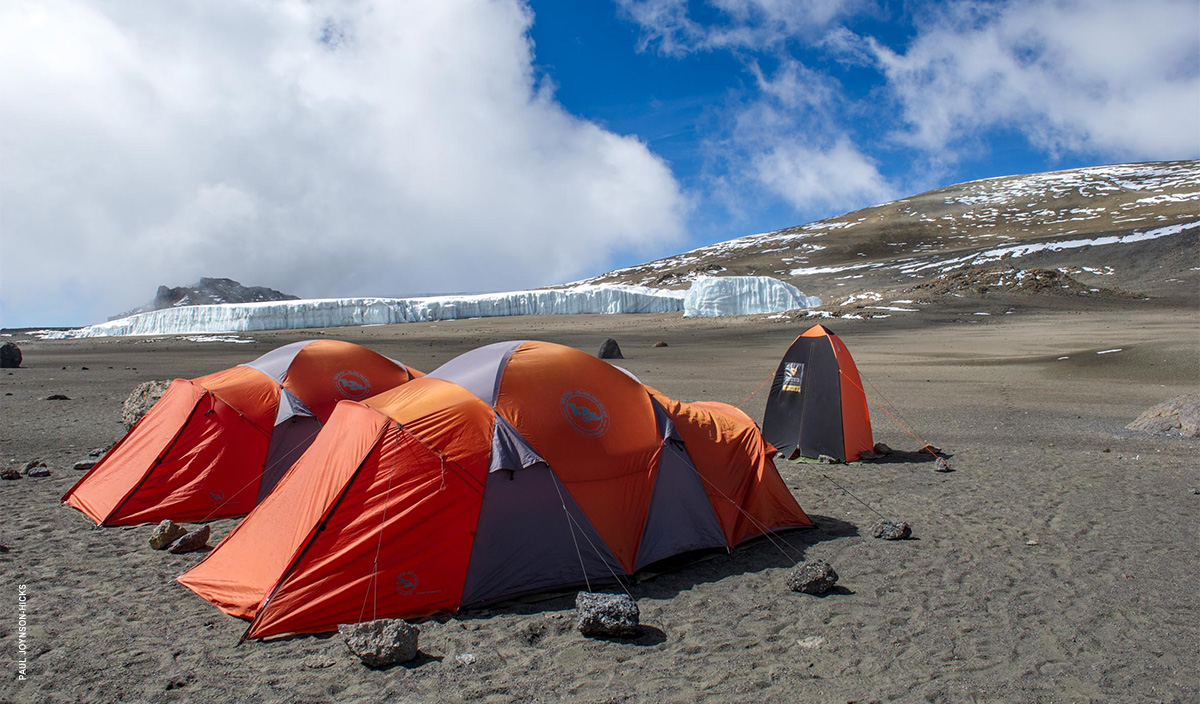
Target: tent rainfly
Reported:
[(516, 468), (215, 446)]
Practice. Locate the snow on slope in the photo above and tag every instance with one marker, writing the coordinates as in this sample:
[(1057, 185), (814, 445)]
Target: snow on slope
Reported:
[(713, 296), (335, 312)]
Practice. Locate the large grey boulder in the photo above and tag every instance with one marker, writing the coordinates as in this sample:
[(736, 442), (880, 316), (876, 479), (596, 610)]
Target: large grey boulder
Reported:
[(10, 355), (140, 400), (1179, 416), (607, 615), (812, 577), (381, 643)]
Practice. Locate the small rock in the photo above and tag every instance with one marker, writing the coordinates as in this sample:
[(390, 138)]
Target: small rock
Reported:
[(98, 451), (317, 662), (31, 464), (828, 459), (882, 449), (10, 474), (867, 455), (610, 350), (191, 542), (941, 465), (931, 449), (465, 658), (84, 465), (1196, 491), (891, 530), (58, 397), (381, 643), (10, 355), (812, 577), (37, 470), (1032, 543), (607, 615), (661, 343), (166, 533)]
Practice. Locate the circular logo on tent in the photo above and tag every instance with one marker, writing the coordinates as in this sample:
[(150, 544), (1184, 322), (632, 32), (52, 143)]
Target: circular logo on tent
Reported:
[(352, 385), (216, 496), (406, 582), (584, 412)]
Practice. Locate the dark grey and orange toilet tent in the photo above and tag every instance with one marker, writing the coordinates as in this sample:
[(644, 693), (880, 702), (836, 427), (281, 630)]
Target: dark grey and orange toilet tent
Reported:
[(817, 405)]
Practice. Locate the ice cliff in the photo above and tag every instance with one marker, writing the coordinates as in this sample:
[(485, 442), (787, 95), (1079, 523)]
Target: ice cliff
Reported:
[(743, 295), (738, 295)]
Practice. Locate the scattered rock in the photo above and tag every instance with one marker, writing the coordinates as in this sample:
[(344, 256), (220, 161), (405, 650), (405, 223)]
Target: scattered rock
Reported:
[(166, 533), (941, 465), (607, 615), (98, 451), (610, 350), (84, 465), (891, 530), (37, 468), (828, 459), (882, 449), (58, 397), (1179, 417), (1196, 491), (381, 643), (10, 355), (10, 474), (931, 449), (1032, 543), (191, 542), (661, 343), (140, 400), (317, 662), (465, 658), (812, 577)]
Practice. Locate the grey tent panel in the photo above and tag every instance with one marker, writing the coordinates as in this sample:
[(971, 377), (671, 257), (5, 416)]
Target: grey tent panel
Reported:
[(681, 517), (479, 370), (295, 429), (525, 541), (275, 363), (510, 451), (290, 439)]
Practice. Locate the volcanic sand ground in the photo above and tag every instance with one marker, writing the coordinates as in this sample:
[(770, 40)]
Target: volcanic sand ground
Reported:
[(1057, 563)]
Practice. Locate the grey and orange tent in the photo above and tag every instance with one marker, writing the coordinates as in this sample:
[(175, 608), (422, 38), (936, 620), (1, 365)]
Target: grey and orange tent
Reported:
[(214, 446), (817, 405), (516, 468)]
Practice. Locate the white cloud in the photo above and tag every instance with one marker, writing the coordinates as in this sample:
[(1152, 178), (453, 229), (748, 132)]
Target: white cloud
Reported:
[(318, 148), (752, 24), (1106, 77), (813, 177)]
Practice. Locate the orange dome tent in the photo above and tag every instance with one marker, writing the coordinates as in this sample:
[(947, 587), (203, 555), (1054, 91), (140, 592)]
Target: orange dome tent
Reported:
[(515, 468), (817, 405), (214, 446)]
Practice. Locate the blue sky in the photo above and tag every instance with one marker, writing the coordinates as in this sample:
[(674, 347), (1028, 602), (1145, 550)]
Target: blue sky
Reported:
[(363, 148)]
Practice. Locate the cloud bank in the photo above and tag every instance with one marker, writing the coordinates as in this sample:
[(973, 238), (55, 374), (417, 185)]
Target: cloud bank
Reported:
[(1097, 80), (320, 148)]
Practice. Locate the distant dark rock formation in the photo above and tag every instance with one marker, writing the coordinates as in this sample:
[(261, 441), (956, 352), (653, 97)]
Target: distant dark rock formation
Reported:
[(208, 291)]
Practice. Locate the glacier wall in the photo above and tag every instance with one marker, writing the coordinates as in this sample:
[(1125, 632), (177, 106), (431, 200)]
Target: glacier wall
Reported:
[(735, 295), (714, 296)]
